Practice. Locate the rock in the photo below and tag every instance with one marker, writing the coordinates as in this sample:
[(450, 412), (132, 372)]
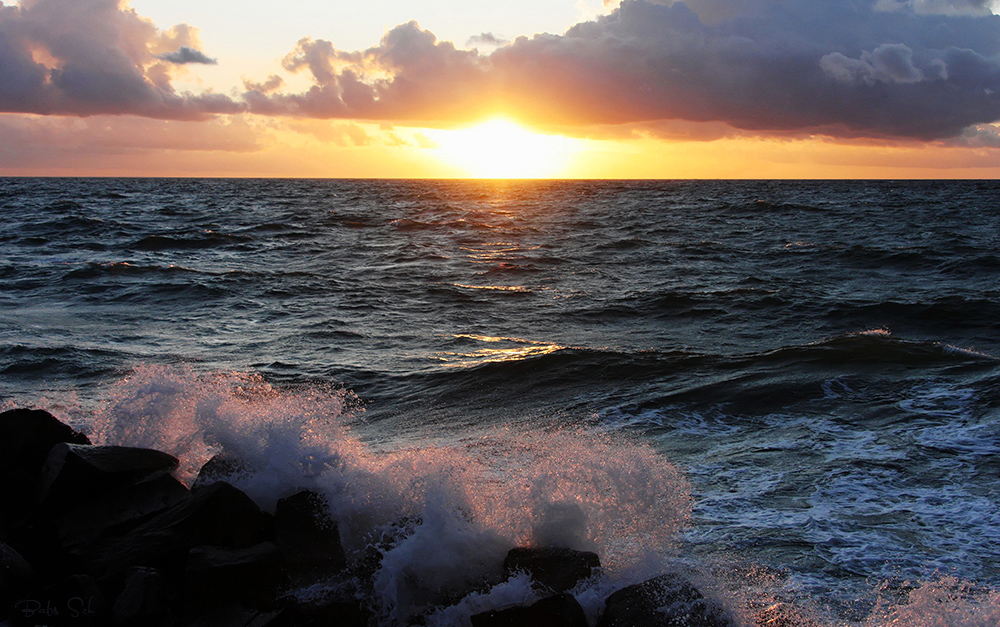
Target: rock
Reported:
[(308, 537), (221, 467), (26, 437), (16, 576), (557, 569), (665, 601), (218, 515), (251, 577), (119, 511), (74, 474), (561, 610), (147, 600)]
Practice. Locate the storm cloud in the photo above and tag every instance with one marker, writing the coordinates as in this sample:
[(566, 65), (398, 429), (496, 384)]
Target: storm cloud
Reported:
[(923, 69), (91, 57)]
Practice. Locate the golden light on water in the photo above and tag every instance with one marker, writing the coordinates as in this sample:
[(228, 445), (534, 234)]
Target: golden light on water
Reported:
[(500, 149)]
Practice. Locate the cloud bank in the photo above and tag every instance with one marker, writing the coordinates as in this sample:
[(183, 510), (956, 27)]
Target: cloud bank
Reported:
[(921, 69), (91, 57)]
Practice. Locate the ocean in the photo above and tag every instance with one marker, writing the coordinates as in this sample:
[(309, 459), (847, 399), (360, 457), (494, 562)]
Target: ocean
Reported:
[(789, 389)]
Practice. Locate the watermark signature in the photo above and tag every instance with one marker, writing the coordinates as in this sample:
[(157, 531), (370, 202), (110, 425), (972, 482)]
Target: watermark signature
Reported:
[(40, 609)]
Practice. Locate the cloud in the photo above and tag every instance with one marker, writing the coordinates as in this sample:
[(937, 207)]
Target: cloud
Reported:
[(185, 54), (487, 40), (92, 57), (921, 69)]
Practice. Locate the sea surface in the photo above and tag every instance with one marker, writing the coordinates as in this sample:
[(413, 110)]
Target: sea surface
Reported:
[(789, 390)]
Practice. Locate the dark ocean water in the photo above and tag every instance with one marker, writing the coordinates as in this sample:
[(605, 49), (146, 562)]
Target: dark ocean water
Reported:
[(790, 388)]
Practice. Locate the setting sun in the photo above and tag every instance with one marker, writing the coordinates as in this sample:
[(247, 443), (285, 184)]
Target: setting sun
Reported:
[(502, 149)]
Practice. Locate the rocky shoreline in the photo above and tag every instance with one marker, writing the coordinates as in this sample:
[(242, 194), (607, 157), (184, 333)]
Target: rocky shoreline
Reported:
[(106, 535)]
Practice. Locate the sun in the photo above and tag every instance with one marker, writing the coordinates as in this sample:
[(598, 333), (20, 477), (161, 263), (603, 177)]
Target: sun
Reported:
[(501, 149)]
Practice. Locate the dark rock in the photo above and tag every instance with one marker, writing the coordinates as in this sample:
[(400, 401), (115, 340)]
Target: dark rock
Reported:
[(308, 537), (556, 569), (665, 601), (26, 437), (16, 576), (251, 577), (221, 467), (74, 474), (119, 511), (147, 600), (218, 515), (561, 610)]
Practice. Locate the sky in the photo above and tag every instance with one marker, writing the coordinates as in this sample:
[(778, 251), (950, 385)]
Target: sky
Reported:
[(526, 88)]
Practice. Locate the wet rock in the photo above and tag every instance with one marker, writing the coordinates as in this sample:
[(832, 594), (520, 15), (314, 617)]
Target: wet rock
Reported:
[(556, 569), (251, 577), (308, 537), (221, 467), (74, 474), (119, 511), (665, 601), (218, 515), (147, 600), (26, 437), (561, 610)]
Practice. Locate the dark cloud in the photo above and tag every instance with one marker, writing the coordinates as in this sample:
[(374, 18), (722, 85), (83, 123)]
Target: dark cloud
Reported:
[(186, 54), (488, 40), (859, 68), (91, 57)]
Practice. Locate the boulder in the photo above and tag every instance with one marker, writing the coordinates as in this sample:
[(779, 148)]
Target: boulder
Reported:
[(74, 474), (665, 601), (218, 515), (250, 577), (221, 467), (554, 568), (147, 600), (26, 437), (308, 537), (119, 511), (561, 610)]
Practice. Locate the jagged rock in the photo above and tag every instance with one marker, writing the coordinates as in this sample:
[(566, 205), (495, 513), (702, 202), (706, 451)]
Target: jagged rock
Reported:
[(557, 569), (251, 576), (119, 511), (665, 601), (218, 515), (74, 474), (308, 537), (26, 437), (147, 600), (221, 467), (561, 610)]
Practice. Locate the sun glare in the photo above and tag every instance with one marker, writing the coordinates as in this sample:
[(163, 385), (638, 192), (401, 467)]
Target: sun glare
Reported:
[(502, 149)]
